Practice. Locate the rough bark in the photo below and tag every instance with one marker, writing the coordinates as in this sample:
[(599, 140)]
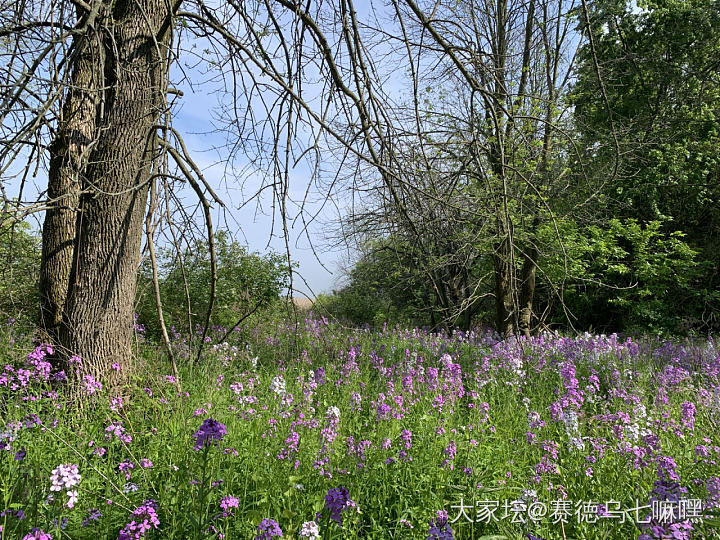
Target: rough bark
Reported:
[(98, 322), (504, 301), (68, 158)]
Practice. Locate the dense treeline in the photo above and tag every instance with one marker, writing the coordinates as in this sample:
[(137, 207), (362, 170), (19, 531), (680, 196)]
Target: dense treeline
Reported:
[(627, 241), (247, 283), (546, 164)]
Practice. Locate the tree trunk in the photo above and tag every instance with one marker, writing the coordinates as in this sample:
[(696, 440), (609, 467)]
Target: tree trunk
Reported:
[(504, 286), (527, 290), (98, 311), (68, 158)]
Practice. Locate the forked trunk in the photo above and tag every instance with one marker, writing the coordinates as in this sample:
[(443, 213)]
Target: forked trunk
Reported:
[(98, 311), (68, 159)]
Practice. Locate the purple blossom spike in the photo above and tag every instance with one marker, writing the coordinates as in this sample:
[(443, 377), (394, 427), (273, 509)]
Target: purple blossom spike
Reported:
[(209, 431)]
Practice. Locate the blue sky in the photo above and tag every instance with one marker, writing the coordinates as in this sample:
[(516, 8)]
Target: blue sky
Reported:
[(251, 221)]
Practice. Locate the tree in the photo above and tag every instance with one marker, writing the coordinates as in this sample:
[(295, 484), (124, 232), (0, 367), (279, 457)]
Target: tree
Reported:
[(95, 97), (482, 148), (246, 282), (655, 121), (19, 260)]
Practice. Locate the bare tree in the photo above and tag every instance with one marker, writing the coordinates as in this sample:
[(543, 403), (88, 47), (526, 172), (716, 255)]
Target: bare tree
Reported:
[(87, 94), (484, 136)]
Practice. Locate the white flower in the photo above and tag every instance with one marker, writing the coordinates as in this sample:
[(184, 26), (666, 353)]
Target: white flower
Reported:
[(526, 403), (65, 476), (570, 419), (278, 385), (332, 411), (310, 529), (577, 443), (73, 497)]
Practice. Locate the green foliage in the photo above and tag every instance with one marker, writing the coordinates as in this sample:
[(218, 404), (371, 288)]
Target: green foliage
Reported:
[(383, 286), (244, 281), (19, 271), (658, 65), (480, 430), (625, 276)]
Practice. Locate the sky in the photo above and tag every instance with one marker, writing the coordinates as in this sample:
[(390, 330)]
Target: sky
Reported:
[(250, 220)]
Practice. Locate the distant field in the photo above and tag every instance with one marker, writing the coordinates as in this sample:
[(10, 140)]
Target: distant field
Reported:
[(303, 303)]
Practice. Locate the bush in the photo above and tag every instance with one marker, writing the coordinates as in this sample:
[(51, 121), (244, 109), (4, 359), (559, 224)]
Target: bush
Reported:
[(245, 281), (19, 271)]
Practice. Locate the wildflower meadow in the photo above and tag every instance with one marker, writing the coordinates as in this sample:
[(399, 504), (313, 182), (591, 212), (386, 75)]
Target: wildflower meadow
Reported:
[(310, 430)]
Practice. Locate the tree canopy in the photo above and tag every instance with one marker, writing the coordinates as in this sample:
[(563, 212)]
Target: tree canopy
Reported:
[(530, 163)]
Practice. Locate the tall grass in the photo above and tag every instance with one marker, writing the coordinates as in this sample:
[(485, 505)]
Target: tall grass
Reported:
[(360, 434)]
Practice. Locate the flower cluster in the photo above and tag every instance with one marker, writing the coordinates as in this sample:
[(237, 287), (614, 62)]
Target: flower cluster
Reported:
[(226, 503), (311, 530), (94, 515), (144, 519), (118, 431), (267, 529), (336, 501), (36, 534), (277, 385), (209, 431), (91, 385), (66, 476), (439, 527)]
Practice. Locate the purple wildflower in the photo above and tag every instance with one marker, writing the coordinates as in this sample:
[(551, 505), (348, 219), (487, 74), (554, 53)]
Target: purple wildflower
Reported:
[(209, 430), (688, 414), (91, 385), (37, 534), (439, 527), (136, 529), (226, 503), (126, 467), (94, 515), (267, 529), (336, 500)]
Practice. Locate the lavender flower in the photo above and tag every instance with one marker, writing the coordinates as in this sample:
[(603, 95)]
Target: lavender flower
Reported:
[(267, 529), (688, 414), (91, 385), (126, 467), (226, 503), (136, 529), (118, 430), (209, 431)]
